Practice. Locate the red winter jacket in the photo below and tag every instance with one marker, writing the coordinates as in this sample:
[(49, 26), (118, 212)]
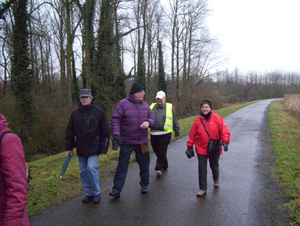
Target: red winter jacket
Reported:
[(13, 181), (216, 128)]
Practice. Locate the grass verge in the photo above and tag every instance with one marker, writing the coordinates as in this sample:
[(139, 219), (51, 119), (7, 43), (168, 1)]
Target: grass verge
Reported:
[(46, 189), (285, 130)]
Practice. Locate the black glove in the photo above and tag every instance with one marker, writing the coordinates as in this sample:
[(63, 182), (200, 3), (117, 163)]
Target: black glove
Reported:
[(190, 152), (116, 142), (225, 145)]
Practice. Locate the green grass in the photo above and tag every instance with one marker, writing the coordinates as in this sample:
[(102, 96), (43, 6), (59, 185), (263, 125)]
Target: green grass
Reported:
[(285, 131), (46, 188)]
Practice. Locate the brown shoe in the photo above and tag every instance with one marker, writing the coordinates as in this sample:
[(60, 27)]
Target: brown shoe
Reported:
[(217, 183), (201, 193)]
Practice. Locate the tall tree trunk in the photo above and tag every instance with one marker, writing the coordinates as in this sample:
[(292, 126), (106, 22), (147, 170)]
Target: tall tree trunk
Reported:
[(68, 55), (141, 71), (62, 54), (104, 75), (162, 84), (33, 60), (119, 87), (173, 51), (5, 63), (21, 74), (75, 86), (177, 65), (149, 66), (89, 40)]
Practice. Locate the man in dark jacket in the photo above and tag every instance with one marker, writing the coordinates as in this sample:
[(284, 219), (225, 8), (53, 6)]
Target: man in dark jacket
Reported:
[(88, 131), (129, 123)]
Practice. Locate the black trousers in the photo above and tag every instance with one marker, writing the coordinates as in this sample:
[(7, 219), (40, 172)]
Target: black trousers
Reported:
[(160, 147), (202, 169)]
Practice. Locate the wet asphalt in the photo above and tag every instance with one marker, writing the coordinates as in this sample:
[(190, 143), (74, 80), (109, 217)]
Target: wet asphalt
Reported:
[(248, 195)]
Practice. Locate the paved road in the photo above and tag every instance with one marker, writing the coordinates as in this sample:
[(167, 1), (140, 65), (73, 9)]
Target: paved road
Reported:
[(247, 194)]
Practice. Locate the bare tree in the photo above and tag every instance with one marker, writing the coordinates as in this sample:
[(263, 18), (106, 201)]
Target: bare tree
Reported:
[(141, 20), (5, 55), (192, 50), (153, 30)]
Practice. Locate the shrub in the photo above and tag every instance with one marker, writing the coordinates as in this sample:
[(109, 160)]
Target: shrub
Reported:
[(292, 103)]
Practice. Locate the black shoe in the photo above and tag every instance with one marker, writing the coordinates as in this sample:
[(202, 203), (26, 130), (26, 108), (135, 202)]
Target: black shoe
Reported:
[(144, 190), (87, 199), (115, 194), (97, 199)]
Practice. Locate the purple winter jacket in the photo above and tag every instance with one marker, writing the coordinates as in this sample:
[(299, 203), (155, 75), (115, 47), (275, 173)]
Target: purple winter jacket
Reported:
[(127, 118)]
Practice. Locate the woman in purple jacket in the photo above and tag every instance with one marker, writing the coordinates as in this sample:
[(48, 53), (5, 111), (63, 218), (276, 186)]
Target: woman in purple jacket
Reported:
[(13, 179), (129, 124)]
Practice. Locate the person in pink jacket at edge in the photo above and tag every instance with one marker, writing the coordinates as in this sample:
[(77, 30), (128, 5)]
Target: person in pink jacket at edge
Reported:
[(217, 129), (13, 180)]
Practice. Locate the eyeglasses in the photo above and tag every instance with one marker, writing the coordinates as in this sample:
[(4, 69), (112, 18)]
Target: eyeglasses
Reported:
[(205, 107), (85, 97)]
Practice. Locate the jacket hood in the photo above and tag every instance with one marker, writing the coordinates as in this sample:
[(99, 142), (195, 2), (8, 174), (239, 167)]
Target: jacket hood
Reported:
[(3, 124)]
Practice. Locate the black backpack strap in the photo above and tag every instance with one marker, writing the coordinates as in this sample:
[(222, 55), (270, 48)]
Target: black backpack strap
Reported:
[(204, 128), (2, 135), (28, 175)]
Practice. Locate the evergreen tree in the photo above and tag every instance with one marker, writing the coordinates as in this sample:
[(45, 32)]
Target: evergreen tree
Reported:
[(141, 69), (75, 85), (109, 78), (21, 74), (88, 42), (162, 84)]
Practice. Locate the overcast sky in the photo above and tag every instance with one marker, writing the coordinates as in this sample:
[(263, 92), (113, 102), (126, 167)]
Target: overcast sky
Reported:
[(258, 35)]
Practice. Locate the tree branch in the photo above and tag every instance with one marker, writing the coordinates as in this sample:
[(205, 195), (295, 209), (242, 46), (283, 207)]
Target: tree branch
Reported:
[(4, 7)]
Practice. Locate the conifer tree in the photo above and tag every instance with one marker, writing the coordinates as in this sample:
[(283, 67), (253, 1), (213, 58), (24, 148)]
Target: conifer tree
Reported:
[(162, 84), (21, 74)]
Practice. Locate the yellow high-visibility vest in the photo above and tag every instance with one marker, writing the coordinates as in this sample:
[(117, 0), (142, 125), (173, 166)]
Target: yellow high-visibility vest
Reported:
[(168, 126)]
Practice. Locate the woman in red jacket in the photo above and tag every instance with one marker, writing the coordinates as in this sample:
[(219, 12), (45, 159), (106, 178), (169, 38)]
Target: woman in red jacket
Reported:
[(13, 181), (217, 130)]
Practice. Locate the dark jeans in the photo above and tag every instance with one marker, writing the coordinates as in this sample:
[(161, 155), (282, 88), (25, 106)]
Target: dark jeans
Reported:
[(202, 169), (160, 147), (123, 162)]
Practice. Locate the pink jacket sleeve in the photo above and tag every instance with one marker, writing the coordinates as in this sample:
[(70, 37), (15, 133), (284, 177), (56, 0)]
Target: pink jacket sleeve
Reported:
[(14, 177)]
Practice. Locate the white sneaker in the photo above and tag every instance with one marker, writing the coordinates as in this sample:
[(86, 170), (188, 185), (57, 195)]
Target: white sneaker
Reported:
[(158, 173)]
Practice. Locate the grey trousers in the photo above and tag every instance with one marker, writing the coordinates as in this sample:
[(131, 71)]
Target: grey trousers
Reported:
[(202, 169)]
